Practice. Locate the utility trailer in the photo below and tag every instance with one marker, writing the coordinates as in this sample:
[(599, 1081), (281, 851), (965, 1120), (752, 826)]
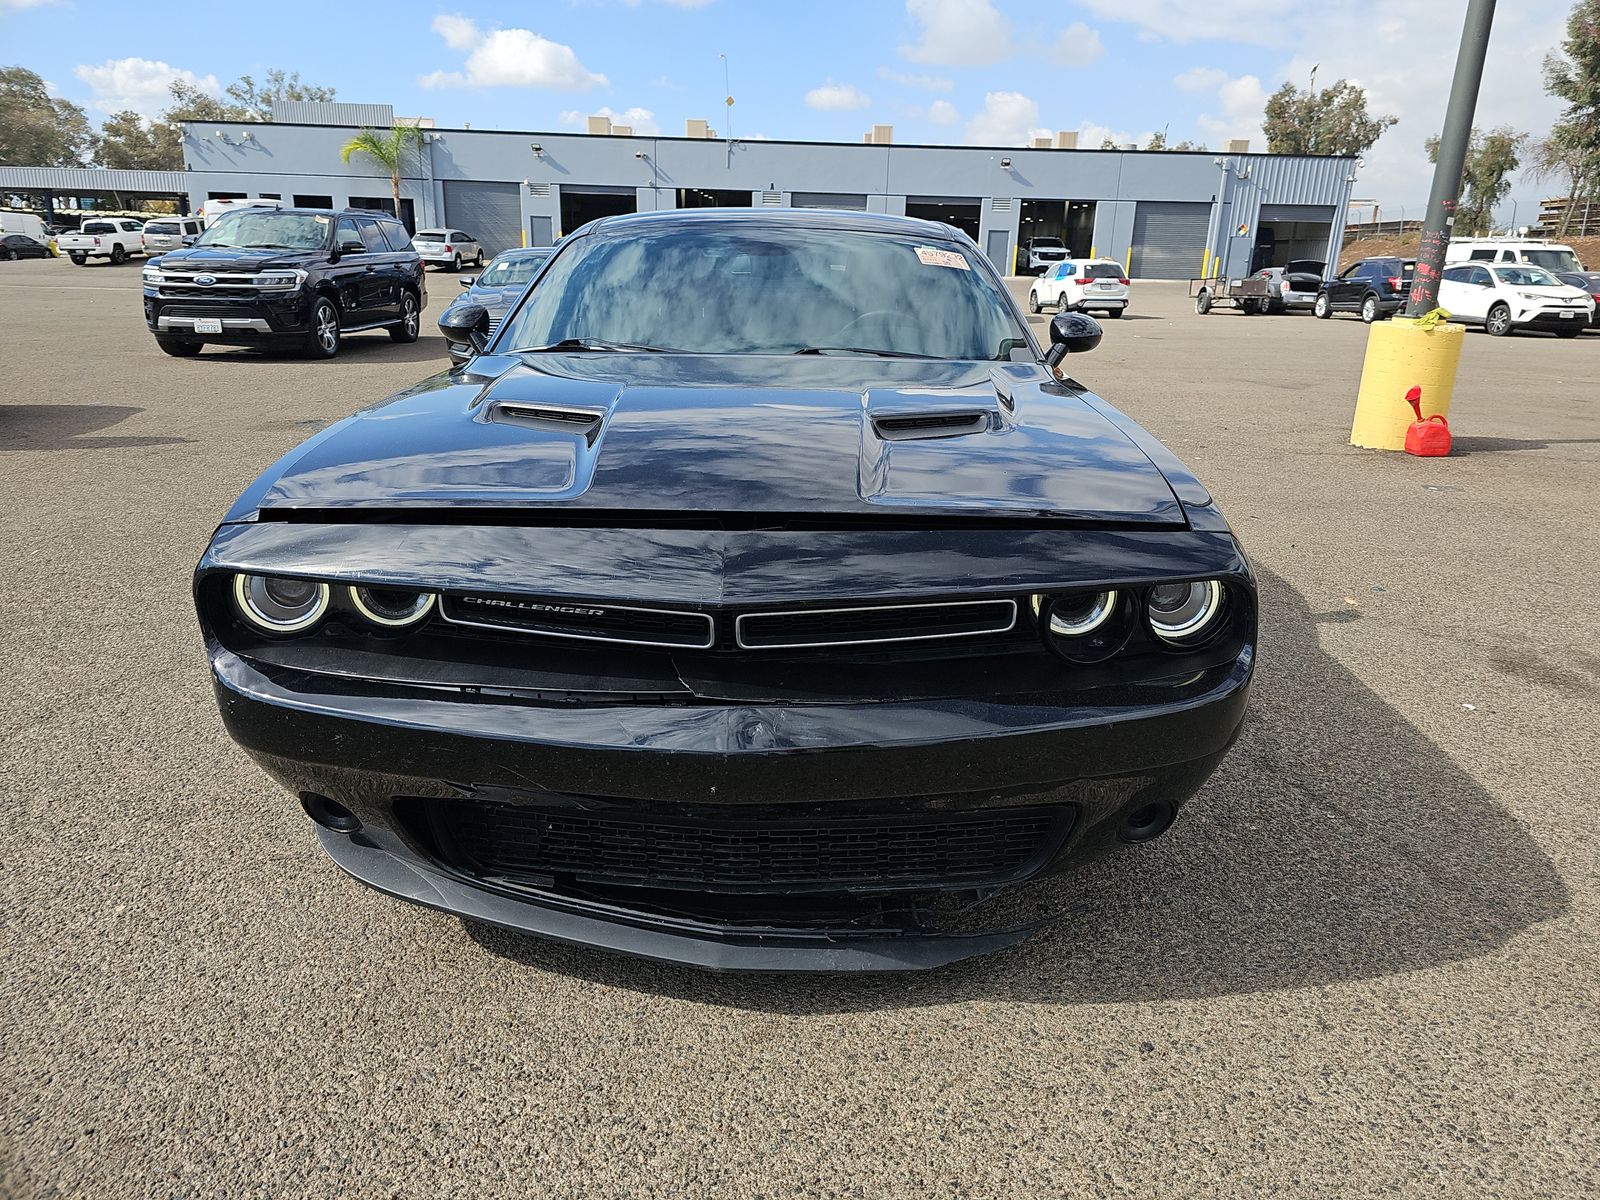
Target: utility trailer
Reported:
[(1252, 294)]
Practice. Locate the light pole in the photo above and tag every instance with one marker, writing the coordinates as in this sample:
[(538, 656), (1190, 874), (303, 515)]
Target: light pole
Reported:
[(1410, 351)]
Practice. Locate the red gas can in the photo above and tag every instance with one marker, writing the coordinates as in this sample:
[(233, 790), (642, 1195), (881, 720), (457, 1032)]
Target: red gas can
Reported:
[(1426, 439)]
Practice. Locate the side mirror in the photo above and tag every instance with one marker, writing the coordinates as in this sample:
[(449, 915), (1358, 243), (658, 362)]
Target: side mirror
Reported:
[(466, 326), (1072, 333), (468, 280)]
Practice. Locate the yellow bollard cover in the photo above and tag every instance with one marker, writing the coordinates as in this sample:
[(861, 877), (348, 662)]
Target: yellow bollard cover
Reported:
[(1403, 353)]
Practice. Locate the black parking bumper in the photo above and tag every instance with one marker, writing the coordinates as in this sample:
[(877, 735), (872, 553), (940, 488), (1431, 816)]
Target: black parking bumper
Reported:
[(380, 756)]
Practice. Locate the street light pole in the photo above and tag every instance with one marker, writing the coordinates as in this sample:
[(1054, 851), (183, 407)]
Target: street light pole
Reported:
[(1453, 141)]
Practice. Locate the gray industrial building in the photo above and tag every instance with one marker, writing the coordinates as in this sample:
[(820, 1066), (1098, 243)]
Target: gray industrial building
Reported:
[(1164, 214)]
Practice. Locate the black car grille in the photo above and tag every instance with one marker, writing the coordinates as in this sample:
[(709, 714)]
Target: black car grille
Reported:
[(877, 623), (792, 629), (589, 622), (515, 842)]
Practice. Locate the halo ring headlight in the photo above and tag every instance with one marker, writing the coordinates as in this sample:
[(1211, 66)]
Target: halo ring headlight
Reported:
[(1083, 615), (392, 608), (278, 604), (1181, 612)]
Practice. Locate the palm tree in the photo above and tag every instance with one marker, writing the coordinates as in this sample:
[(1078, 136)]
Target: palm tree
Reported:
[(387, 148)]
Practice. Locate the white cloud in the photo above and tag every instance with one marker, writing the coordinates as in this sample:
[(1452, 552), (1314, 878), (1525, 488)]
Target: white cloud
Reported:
[(1200, 79), (1078, 46), (1007, 119), (834, 97), (958, 33), (942, 112), (140, 84), (933, 83), (1240, 102), (1092, 135), (1257, 22), (641, 120), (12, 5), (508, 58)]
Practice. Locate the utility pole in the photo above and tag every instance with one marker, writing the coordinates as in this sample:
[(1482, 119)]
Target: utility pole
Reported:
[(1453, 141)]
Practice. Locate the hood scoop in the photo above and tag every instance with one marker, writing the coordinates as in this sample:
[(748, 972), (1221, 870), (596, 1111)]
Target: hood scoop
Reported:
[(550, 418), (906, 427)]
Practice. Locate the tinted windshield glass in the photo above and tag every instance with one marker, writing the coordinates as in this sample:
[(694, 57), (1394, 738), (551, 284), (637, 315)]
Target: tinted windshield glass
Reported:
[(266, 229), (511, 272), (1102, 271), (737, 289), (97, 227), (1553, 260), (427, 235), (1527, 276), (1047, 243), (161, 227)]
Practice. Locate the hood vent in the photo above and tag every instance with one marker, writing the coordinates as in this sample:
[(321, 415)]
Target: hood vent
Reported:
[(552, 417), (913, 426)]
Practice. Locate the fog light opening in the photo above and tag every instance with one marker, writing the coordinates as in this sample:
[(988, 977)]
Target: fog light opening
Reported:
[(1147, 821), (330, 814)]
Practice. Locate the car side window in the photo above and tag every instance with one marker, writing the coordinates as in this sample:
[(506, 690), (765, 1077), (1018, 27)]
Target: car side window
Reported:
[(1507, 256), (1482, 256), (1355, 272), (1456, 274), (373, 237), (399, 239), (1481, 277), (347, 233)]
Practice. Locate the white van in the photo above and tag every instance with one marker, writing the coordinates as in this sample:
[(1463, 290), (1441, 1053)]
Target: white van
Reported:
[(1552, 256), (26, 224), (212, 209)]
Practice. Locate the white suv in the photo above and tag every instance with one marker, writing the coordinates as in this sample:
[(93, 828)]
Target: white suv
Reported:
[(447, 248), (1096, 284), (1503, 297)]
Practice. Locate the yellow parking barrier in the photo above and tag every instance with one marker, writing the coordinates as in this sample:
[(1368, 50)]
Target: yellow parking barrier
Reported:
[(1401, 354)]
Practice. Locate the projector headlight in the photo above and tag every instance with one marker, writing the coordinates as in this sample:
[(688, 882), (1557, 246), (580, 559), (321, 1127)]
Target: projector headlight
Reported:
[(274, 604), (1183, 612), (392, 608), (1084, 627)]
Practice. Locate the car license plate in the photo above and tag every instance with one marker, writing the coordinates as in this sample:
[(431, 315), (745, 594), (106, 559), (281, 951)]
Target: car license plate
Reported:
[(208, 325), (1567, 316)]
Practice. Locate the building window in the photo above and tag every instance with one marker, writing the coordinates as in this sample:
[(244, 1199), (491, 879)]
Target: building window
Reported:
[(313, 201)]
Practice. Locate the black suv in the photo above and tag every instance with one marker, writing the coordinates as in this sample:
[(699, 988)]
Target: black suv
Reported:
[(1373, 287), (301, 276)]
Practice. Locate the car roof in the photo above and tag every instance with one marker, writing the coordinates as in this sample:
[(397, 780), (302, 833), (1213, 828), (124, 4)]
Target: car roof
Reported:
[(519, 252), (809, 218)]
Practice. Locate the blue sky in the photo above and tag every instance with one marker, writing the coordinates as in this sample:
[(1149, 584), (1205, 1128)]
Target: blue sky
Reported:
[(979, 71)]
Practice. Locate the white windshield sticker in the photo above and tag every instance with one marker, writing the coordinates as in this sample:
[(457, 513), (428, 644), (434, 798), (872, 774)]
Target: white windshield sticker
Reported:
[(929, 257)]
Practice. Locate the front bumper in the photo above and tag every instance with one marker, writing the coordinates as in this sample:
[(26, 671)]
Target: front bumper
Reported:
[(378, 753), (246, 320), (1549, 320)]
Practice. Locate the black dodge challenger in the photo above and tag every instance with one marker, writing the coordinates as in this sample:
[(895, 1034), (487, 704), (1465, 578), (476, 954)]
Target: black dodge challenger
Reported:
[(760, 596)]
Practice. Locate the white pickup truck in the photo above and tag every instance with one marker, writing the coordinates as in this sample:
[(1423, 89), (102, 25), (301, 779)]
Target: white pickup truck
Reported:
[(116, 238)]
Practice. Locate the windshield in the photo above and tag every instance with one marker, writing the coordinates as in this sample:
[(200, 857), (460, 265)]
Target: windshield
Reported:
[(1102, 271), (98, 227), (267, 229), (1553, 260), (731, 288), (510, 272), (427, 235), (1527, 276), (161, 227)]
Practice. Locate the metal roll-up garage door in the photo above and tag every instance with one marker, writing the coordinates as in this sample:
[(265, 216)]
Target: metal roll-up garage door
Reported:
[(1297, 212), (1169, 239), (490, 212)]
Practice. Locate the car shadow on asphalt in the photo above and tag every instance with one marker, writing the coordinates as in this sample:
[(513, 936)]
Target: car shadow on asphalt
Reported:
[(357, 348), (1485, 445), (1335, 843), (69, 427)]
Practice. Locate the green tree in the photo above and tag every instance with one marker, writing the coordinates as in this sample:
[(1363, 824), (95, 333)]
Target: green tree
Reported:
[(1492, 158), (1572, 75), (1158, 141), (127, 142), (36, 129), (276, 85), (388, 148), (1334, 120)]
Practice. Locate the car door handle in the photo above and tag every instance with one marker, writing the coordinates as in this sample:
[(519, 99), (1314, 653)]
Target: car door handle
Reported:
[(372, 266)]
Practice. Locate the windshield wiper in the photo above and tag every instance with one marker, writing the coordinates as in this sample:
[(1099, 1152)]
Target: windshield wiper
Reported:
[(881, 353), (571, 344)]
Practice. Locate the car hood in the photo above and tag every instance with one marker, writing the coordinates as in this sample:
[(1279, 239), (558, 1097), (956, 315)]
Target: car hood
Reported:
[(1555, 291), (858, 439), (234, 258)]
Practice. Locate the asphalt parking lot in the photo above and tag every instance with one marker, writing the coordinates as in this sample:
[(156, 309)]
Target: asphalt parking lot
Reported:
[(1365, 961)]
